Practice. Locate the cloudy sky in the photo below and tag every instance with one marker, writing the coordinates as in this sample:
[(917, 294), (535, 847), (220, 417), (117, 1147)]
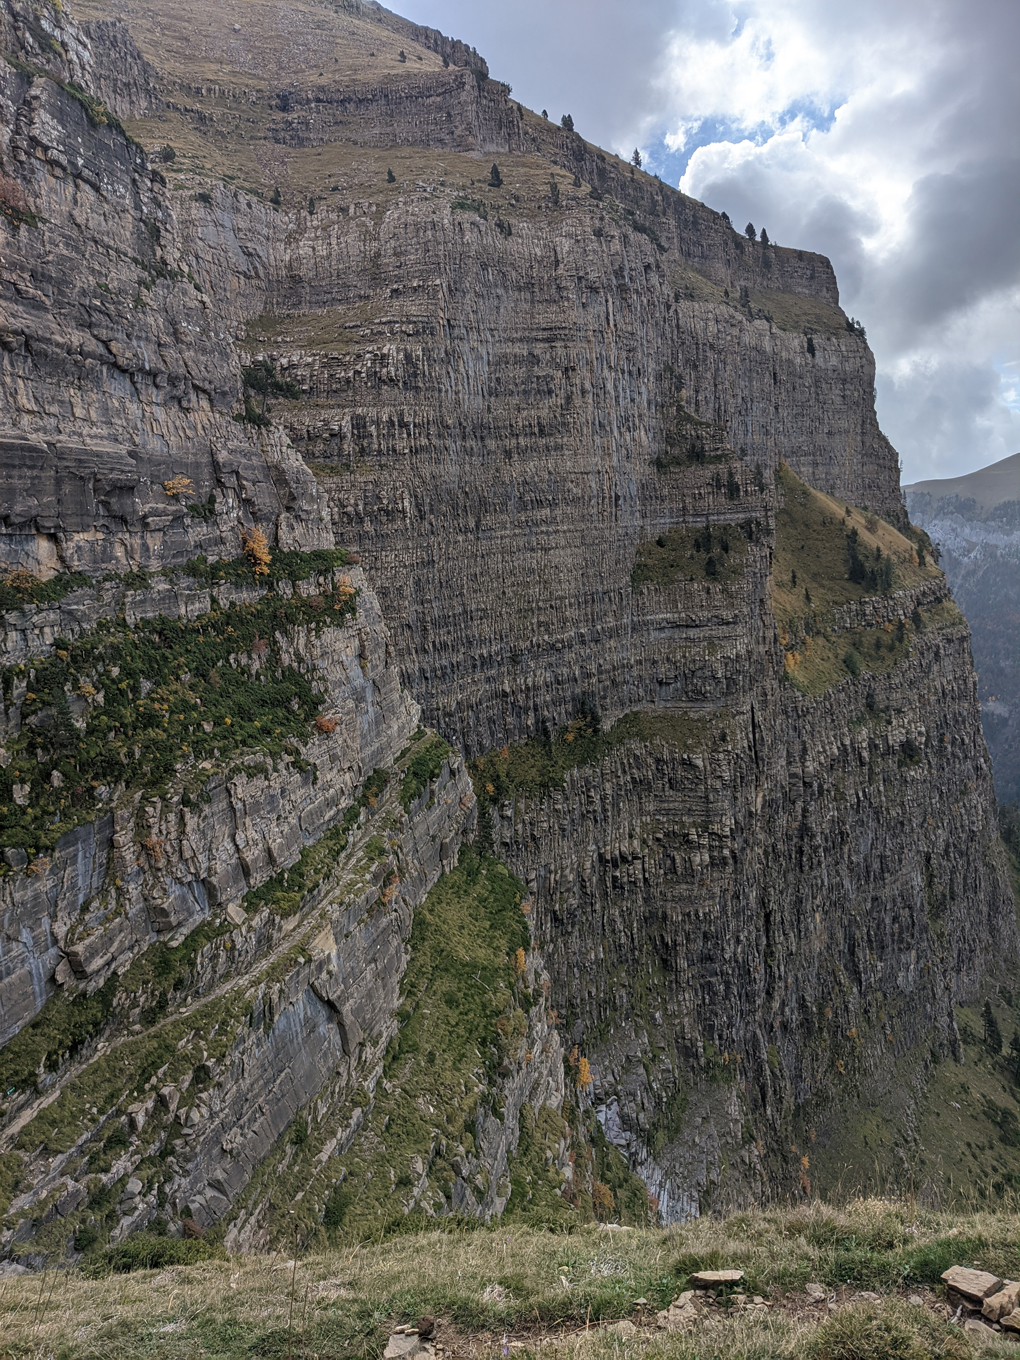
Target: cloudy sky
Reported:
[(884, 133)]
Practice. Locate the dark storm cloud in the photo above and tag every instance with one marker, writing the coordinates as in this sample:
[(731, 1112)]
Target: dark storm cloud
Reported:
[(964, 241)]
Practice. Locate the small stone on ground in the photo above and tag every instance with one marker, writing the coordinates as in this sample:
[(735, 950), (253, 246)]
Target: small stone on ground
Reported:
[(714, 1279)]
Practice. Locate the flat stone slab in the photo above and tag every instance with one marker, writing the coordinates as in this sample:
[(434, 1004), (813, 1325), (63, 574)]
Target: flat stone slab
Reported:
[(715, 1279), (972, 1284), (402, 1345)]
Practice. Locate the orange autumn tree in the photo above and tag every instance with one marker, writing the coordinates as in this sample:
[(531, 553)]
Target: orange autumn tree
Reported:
[(256, 549)]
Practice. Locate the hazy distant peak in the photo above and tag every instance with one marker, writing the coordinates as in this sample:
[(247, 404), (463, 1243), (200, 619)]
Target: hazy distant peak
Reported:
[(987, 487)]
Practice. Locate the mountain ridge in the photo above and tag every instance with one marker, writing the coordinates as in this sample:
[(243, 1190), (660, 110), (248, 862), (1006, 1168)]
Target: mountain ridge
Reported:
[(611, 510)]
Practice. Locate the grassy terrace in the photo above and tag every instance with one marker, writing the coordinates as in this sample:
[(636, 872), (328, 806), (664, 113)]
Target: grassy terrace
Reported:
[(829, 555), (542, 763), (690, 553), (126, 705), (511, 1288)]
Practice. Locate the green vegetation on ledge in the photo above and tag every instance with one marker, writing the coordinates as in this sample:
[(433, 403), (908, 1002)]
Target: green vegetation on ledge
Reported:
[(127, 705), (287, 891), (22, 590), (713, 552), (463, 1016), (828, 556), (284, 566), (425, 765), (542, 763)]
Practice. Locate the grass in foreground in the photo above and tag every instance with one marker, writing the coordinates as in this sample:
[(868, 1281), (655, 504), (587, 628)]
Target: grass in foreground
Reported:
[(496, 1286)]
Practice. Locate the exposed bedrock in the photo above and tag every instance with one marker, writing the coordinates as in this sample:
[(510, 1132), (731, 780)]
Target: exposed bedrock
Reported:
[(768, 908), (157, 863), (530, 400)]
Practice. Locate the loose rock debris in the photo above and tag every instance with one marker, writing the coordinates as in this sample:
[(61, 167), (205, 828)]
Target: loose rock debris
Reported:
[(982, 1301), (977, 1301)]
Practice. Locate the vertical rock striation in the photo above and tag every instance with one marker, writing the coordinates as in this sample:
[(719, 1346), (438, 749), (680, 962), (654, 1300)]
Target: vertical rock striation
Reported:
[(558, 411)]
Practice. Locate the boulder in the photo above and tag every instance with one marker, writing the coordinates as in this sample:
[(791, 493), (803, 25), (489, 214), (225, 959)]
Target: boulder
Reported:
[(978, 1327), (402, 1345), (1006, 1301), (1011, 1322), (972, 1284), (673, 1319)]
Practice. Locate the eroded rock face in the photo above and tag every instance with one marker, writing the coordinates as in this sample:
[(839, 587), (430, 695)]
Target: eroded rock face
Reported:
[(739, 926), (510, 388), (119, 372), (158, 864)]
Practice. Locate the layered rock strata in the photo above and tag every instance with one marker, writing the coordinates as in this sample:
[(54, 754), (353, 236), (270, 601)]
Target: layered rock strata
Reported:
[(158, 863), (740, 927), (529, 396), (277, 1017)]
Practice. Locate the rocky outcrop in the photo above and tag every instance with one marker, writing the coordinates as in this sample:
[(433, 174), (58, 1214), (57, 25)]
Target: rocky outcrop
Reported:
[(158, 863), (119, 374), (738, 925), (277, 1016), (529, 396)]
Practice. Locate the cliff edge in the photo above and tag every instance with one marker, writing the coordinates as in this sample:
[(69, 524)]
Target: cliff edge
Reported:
[(480, 734)]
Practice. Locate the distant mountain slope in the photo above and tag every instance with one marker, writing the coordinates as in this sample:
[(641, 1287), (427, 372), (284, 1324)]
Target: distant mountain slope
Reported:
[(975, 520), (987, 487)]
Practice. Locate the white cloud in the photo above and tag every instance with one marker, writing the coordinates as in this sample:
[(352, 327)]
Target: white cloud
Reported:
[(879, 132), (912, 188)]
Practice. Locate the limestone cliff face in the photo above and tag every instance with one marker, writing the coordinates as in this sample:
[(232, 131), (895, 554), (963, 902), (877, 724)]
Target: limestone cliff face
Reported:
[(528, 396), (119, 373), (739, 927), (156, 863)]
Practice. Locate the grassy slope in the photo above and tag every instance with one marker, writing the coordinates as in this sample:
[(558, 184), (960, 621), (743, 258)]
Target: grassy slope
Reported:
[(223, 128), (157, 698), (952, 1134), (534, 767), (810, 584), (461, 1018), (464, 1023), (551, 1287)]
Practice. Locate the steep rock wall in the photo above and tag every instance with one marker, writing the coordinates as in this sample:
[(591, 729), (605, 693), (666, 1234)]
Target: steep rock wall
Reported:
[(159, 862), (758, 912), (274, 1015), (492, 438), (514, 395), (118, 373)]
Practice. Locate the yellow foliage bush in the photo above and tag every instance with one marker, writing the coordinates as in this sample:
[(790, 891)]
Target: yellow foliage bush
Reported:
[(256, 548), (178, 486), (602, 1197)]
